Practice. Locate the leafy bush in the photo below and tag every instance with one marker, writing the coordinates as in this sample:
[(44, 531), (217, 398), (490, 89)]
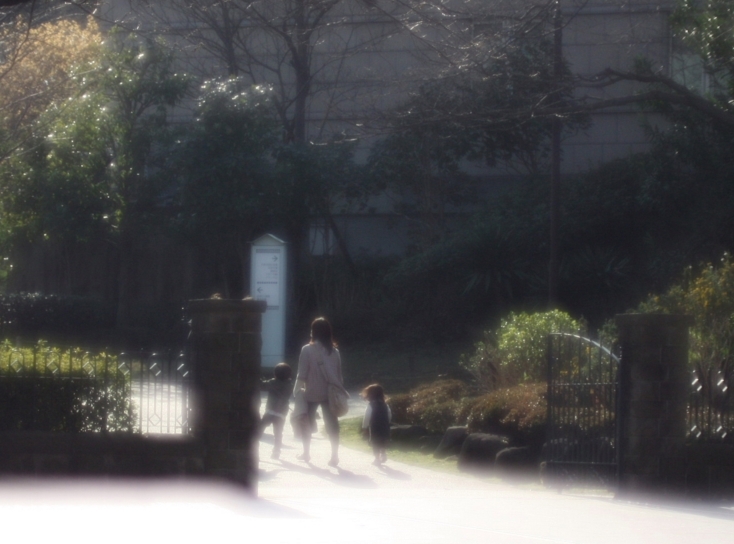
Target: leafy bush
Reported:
[(518, 412), (47, 388), (436, 405), (484, 363), (440, 416), (515, 353), (399, 405)]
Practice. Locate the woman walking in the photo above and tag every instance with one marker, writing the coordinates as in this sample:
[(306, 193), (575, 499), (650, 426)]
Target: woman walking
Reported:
[(318, 366)]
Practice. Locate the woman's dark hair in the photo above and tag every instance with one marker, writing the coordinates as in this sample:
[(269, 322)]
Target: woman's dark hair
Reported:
[(321, 331), (373, 392), (282, 372)]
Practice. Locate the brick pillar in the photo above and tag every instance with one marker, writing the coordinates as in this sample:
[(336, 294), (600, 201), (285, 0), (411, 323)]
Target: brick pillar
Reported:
[(654, 388), (225, 347)]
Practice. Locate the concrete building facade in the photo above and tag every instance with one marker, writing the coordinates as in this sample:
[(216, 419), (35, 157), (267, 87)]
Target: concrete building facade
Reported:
[(367, 57)]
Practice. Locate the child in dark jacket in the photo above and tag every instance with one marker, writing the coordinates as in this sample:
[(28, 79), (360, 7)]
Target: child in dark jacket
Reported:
[(376, 421), (279, 391)]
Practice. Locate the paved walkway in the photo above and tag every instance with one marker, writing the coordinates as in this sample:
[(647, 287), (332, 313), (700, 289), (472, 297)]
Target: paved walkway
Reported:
[(354, 503), (358, 502)]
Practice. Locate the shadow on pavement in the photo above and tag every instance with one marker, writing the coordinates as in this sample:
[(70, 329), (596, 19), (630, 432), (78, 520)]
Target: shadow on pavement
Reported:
[(342, 477), (351, 479), (394, 474), (711, 509)]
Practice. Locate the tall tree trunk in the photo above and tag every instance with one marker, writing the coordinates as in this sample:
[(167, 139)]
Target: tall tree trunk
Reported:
[(343, 248), (296, 239), (124, 281), (555, 205)]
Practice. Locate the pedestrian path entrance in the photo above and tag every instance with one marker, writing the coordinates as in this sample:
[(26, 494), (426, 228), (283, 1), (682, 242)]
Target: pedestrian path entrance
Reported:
[(583, 399)]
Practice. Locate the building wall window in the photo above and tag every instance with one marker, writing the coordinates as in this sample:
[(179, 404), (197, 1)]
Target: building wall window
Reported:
[(689, 69), (321, 239)]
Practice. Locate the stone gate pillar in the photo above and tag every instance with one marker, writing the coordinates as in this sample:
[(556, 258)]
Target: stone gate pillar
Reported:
[(225, 348), (654, 389)]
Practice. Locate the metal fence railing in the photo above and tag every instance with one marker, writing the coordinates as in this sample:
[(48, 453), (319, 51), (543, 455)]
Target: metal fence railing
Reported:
[(52, 388), (711, 405), (582, 431)]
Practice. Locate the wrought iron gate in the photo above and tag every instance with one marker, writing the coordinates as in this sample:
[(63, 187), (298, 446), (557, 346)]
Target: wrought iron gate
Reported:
[(583, 394)]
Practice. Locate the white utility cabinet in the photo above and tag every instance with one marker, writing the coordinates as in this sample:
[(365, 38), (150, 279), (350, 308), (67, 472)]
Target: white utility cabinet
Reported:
[(268, 282)]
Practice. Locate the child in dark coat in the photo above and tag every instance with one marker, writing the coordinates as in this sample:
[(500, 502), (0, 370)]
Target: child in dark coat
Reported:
[(279, 391), (376, 421)]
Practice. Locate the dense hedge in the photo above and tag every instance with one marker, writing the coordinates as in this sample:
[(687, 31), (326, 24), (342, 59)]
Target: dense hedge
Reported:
[(47, 388), (30, 313), (74, 404)]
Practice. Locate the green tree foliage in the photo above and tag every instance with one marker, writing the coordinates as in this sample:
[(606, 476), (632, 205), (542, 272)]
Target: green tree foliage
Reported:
[(515, 353), (707, 295), (238, 180), (36, 61), (494, 262), (672, 205), (29, 315), (707, 27), (228, 192), (629, 228), (316, 180), (484, 116), (93, 169)]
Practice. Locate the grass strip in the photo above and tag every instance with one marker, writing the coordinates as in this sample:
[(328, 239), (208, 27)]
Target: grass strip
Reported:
[(351, 437)]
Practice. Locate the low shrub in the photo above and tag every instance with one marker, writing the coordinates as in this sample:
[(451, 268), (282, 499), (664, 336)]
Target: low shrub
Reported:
[(517, 412), (436, 417), (439, 392), (706, 294), (399, 405), (435, 406)]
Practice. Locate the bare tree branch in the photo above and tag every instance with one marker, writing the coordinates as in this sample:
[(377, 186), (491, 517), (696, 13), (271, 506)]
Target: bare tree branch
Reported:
[(676, 94)]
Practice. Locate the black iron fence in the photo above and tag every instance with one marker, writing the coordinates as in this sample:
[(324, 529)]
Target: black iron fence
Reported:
[(581, 438), (711, 404), (50, 388)]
